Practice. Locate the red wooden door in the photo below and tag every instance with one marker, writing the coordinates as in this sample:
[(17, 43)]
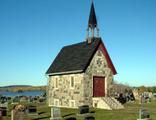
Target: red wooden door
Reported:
[(98, 86)]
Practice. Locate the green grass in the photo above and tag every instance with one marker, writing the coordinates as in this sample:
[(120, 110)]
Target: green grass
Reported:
[(130, 112)]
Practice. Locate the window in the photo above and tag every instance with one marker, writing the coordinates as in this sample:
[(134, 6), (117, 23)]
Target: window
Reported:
[(50, 82), (72, 82), (56, 83), (72, 103), (56, 102)]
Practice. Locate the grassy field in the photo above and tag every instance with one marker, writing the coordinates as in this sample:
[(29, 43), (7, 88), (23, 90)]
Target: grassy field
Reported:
[(129, 113)]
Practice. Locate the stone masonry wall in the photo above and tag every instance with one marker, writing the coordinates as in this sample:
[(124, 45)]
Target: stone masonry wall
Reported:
[(97, 67), (64, 93)]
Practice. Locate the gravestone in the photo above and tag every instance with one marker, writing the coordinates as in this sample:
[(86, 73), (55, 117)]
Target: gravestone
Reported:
[(42, 99), (143, 100), (30, 100), (83, 109), (3, 111), (144, 114), (1, 117), (4, 104), (15, 100), (21, 116), (3, 99), (70, 118), (32, 110), (23, 99), (55, 113), (89, 118), (19, 113)]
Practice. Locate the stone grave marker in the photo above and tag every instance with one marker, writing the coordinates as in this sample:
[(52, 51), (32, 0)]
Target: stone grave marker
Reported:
[(42, 99), (30, 100), (23, 99), (55, 113), (4, 104), (3, 111), (144, 114), (32, 110), (15, 100), (19, 113), (1, 117), (143, 100), (83, 109)]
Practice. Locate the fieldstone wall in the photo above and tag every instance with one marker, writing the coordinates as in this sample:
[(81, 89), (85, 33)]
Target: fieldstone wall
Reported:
[(82, 92), (64, 93), (97, 67)]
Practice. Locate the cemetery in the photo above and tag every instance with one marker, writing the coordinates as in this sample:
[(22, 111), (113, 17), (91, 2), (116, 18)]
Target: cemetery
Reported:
[(133, 110), (80, 87), (136, 107)]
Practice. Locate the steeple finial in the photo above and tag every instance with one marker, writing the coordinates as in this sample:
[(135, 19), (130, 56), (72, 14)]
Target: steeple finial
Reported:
[(92, 22)]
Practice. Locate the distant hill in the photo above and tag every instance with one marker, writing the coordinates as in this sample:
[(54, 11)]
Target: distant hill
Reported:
[(15, 88)]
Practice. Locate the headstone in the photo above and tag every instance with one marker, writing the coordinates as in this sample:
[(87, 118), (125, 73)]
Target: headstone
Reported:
[(144, 114), (3, 99), (4, 104), (83, 109), (19, 113), (3, 111), (35, 99), (21, 116), (55, 113), (70, 118), (154, 95), (15, 100), (1, 117), (32, 110), (30, 100), (9, 98), (23, 99), (143, 100), (89, 118), (121, 98), (42, 99)]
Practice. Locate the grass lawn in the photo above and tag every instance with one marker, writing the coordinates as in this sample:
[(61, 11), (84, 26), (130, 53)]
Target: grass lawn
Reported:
[(130, 112)]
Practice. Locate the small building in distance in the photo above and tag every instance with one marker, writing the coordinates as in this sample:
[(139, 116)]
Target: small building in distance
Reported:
[(82, 73)]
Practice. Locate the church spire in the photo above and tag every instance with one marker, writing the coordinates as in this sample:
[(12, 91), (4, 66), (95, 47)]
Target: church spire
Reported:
[(92, 23)]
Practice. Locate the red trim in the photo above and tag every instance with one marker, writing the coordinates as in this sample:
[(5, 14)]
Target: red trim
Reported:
[(108, 59)]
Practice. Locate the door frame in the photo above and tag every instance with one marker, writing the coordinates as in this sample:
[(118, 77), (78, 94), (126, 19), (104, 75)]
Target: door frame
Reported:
[(104, 78)]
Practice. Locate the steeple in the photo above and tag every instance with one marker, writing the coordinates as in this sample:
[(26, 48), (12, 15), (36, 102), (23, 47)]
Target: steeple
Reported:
[(92, 23)]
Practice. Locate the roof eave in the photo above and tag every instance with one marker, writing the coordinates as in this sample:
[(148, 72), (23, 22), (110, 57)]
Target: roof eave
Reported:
[(67, 72)]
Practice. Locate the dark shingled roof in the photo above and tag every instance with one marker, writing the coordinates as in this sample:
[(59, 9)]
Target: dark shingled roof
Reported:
[(74, 57)]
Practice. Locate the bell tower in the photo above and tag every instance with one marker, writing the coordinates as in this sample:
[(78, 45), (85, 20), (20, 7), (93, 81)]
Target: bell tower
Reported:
[(92, 29)]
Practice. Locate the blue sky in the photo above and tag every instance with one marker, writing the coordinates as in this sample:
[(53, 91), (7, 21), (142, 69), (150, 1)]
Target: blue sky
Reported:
[(32, 32)]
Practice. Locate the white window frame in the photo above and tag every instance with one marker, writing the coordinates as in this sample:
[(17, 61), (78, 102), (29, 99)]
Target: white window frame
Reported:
[(72, 86), (72, 103), (56, 101), (56, 83)]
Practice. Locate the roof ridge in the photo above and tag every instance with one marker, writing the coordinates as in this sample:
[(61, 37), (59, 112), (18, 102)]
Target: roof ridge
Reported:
[(73, 44), (95, 38)]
